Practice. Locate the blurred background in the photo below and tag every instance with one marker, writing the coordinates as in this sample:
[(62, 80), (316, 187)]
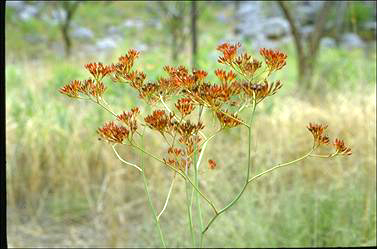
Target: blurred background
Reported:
[(67, 189)]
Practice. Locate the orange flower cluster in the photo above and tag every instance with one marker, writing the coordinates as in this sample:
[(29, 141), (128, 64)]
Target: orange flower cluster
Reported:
[(129, 119), (160, 121), (192, 89), (274, 59), (228, 120), (175, 158), (98, 70), (89, 88), (186, 129), (261, 91), (229, 53), (317, 131), (319, 138), (224, 77), (211, 164), (341, 148), (184, 106), (246, 65), (113, 133)]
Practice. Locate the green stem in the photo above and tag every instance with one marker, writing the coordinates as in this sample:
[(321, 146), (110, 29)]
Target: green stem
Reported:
[(189, 213), (149, 198), (196, 166), (180, 173), (280, 166), (167, 198), (248, 181)]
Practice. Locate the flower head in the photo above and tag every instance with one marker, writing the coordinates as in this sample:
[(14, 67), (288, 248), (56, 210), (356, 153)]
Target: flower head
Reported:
[(98, 70), (228, 120), (184, 106), (72, 89), (341, 148), (317, 131), (211, 164), (160, 121), (275, 60), (261, 90), (129, 119), (113, 133), (229, 52)]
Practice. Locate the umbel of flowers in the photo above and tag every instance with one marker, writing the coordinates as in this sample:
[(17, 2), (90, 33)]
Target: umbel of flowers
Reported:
[(241, 88)]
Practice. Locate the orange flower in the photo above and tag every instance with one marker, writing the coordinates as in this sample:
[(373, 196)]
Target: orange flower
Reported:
[(275, 60), (224, 77), (129, 119), (228, 120), (341, 148), (211, 164), (98, 70), (71, 90), (229, 52), (317, 131), (261, 91), (184, 106), (113, 133), (160, 121), (186, 129)]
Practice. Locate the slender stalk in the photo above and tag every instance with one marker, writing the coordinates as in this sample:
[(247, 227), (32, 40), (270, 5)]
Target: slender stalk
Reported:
[(123, 161), (279, 166), (189, 213), (196, 167), (149, 198), (168, 109), (323, 156), (250, 180), (180, 173), (168, 197)]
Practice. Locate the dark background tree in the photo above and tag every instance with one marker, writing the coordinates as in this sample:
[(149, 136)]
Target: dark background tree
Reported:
[(174, 16), (194, 35), (307, 52), (68, 9)]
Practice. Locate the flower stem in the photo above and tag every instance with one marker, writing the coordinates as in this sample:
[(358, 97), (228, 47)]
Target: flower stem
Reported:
[(189, 213), (180, 173), (168, 197), (149, 198)]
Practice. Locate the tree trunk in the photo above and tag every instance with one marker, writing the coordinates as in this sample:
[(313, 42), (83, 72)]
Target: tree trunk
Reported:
[(69, 8), (307, 58), (67, 40), (174, 48), (194, 38)]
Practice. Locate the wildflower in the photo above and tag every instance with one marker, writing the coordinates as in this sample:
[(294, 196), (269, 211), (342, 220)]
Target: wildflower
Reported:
[(229, 52), (72, 89), (228, 120), (113, 133), (186, 129), (184, 106), (261, 91), (225, 77), (275, 60), (149, 92), (211, 164), (129, 119), (98, 70), (160, 121), (317, 131), (341, 148), (199, 75)]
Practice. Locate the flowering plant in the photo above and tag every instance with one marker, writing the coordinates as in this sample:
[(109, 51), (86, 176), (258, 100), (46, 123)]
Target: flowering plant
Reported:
[(241, 88)]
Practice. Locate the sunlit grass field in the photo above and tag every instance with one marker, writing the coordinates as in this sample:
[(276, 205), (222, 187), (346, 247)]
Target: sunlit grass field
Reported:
[(67, 188)]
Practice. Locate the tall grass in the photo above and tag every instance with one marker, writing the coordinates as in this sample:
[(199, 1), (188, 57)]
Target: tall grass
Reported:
[(66, 188)]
